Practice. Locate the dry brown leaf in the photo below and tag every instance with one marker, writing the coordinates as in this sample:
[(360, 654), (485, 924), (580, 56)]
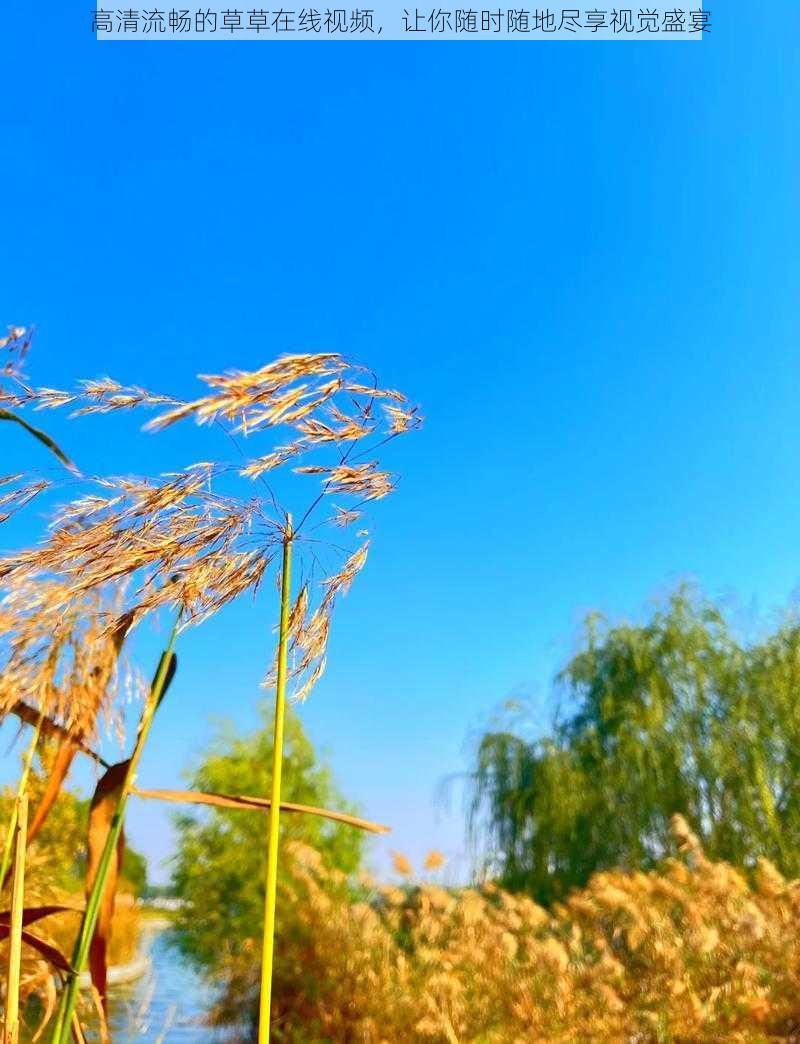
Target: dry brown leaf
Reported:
[(101, 812), (199, 797)]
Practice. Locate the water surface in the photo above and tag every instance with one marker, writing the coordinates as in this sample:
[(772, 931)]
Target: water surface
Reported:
[(168, 1004)]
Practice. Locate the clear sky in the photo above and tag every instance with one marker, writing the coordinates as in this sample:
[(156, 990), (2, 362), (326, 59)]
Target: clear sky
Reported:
[(581, 259)]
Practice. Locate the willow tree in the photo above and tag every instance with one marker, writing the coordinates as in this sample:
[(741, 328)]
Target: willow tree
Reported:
[(673, 715)]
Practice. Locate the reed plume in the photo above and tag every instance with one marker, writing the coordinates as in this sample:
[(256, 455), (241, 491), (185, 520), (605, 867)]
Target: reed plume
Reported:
[(185, 541), (15, 392), (191, 545), (59, 654)]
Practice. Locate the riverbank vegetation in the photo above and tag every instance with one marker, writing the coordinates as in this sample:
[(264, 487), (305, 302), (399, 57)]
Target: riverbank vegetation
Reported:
[(623, 886), (694, 952), (676, 714), (55, 875), (220, 862), (635, 858)]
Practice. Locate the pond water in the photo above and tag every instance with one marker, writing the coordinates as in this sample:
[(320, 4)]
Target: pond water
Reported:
[(166, 1005)]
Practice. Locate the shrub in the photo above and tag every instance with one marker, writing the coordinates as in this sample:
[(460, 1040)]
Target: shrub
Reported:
[(693, 952)]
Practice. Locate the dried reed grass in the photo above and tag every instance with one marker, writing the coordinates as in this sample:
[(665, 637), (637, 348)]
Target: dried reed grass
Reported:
[(695, 952), (182, 542), (190, 546), (59, 654)]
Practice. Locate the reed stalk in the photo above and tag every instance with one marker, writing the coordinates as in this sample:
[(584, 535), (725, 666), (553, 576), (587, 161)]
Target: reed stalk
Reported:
[(80, 954), (11, 1027), (22, 790), (268, 946)]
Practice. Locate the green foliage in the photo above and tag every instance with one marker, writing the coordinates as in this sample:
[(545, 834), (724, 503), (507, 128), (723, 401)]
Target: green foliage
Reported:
[(220, 864), (672, 716), (134, 871), (60, 848)]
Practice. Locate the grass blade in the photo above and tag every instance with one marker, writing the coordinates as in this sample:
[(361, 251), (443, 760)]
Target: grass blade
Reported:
[(43, 437), (66, 1011)]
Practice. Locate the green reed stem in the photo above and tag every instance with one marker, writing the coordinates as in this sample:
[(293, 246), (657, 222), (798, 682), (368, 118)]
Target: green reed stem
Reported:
[(11, 1028), (268, 946), (61, 1030)]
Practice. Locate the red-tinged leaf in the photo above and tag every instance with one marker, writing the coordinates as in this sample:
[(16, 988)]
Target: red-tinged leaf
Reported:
[(50, 953), (55, 779), (35, 913), (101, 812)]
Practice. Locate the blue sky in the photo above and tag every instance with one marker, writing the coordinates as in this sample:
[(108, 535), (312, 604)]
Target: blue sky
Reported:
[(580, 259)]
